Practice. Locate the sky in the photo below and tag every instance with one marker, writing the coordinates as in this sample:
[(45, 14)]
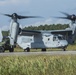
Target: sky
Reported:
[(44, 8)]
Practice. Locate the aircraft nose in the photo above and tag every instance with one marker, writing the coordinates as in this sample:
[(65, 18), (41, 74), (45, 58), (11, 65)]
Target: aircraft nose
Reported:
[(64, 43)]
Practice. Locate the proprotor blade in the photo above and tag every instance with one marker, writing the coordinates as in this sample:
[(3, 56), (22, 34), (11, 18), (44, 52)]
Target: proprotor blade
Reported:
[(61, 17), (24, 17), (65, 13), (15, 16), (6, 15)]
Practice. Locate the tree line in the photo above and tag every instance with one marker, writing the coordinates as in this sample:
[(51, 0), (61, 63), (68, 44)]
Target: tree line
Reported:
[(47, 27)]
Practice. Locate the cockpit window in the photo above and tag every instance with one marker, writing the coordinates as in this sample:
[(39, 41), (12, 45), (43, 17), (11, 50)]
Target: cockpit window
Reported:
[(60, 37), (55, 38)]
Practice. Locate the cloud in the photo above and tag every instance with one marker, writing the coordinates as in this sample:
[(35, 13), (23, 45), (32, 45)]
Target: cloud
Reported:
[(61, 21), (49, 21), (5, 28)]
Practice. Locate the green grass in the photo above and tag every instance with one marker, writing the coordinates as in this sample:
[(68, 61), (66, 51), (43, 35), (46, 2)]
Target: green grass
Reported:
[(38, 65), (71, 47)]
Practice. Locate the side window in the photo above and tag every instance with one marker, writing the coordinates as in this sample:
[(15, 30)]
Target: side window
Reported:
[(48, 39), (54, 38)]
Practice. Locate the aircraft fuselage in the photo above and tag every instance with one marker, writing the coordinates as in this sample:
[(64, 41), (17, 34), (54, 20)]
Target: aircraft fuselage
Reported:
[(42, 41)]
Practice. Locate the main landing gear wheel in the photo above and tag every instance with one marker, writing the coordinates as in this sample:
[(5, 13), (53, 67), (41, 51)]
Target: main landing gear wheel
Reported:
[(64, 49), (1, 50), (43, 49), (27, 49), (11, 49)]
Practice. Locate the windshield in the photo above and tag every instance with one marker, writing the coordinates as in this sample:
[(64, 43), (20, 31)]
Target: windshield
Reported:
[(60, 38), (55, 38)]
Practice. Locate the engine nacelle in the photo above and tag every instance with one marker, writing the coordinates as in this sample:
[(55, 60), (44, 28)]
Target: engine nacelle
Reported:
[(14, 30)]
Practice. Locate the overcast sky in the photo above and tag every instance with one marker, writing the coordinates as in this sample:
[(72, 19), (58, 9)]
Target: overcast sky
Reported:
[(44, 8)]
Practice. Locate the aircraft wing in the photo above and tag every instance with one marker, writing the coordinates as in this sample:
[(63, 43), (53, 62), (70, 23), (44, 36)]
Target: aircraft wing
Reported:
[(61, 31), (37, 32), (29, 32)]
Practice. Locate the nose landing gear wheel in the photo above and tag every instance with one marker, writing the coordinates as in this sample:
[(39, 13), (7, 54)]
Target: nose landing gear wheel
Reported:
[(64, 49), (27, 49)]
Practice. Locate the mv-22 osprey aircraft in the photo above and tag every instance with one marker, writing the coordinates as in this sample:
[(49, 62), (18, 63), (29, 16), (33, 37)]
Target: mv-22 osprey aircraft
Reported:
[(35, 39)]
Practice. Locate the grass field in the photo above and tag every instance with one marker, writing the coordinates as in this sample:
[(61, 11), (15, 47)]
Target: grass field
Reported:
[(38, 65)]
